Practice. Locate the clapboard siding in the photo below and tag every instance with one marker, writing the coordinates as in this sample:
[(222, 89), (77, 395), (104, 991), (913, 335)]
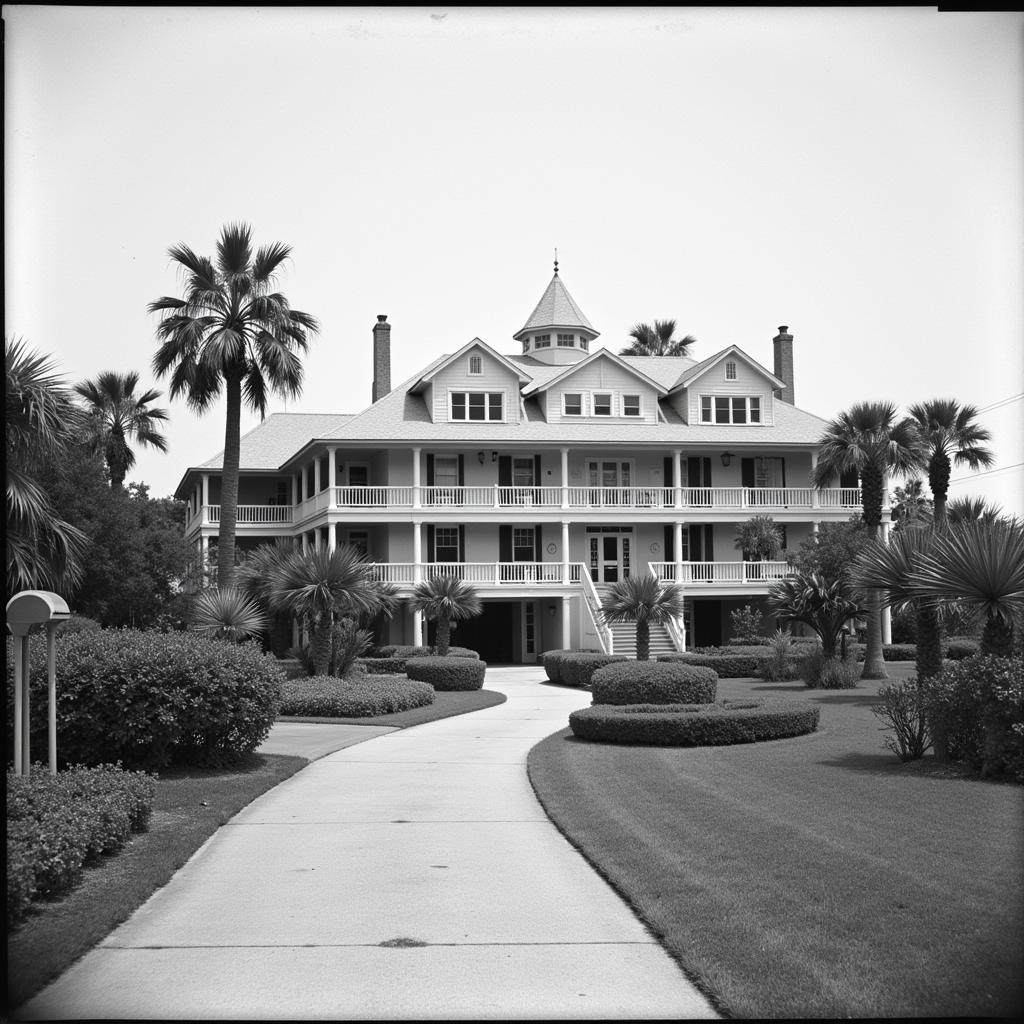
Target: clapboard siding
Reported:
[(749, 381), (456, 377), (603, 375)]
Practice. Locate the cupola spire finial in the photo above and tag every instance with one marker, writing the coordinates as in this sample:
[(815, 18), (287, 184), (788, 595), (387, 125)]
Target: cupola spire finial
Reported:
[(556, 259)]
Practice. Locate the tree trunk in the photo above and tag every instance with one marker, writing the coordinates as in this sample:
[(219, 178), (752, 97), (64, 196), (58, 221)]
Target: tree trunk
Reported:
[(320, 644), (938, 481), (117, 463), (997, 637), (229, 483), (872, 492), (643, 641), (444, 632)]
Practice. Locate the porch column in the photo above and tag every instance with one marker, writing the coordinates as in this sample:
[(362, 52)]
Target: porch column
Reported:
[(305, 541), (677, 473), (565, 477), (565, 552), (332, 536), (204, 553), (295, 489), (316, 475), (566, 624), (677, 547), (815, 496), (332, 477), (417, 551), (206, 496), (416, 503), (305, 481), (814, 528)]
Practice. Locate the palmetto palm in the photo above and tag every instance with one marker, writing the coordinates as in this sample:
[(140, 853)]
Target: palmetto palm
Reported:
[(657, 340), (117, 415), (229, 614), (824, 606), (317, 584), (949, 437), (868, 439), (642, 599), (971, 510), (43, 551), (911, 506), (231, 333), (445, 599)]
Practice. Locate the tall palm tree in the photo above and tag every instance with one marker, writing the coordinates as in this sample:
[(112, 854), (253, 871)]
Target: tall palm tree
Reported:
[(658, 340), (41, 420), (445, 599), (868, 439), (319, 583), (117, 415), (950, 437), (642, 599), (231, 333), (910, 505)]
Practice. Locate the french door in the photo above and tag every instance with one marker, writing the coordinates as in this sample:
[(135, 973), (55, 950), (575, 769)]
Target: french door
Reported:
[(610, 556)]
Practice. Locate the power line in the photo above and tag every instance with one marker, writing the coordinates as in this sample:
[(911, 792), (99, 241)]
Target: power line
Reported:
[(987, 472), (1002, 402)]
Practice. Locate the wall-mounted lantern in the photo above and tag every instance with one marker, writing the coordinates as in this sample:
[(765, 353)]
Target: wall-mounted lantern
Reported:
[(726, 458), (25, 610)]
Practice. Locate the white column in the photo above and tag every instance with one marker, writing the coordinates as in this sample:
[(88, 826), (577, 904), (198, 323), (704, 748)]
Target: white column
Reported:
[(677, 545), (566, 623), (417, 629), (814, 528), (677, 473), (305, 541), (565, 551), (416, 503), (295, 489), (316, 475), (206, 496), (305, 481), (332, 536), (887, 611), (204, 558), (417, 551), (332, 476), (565, 477)]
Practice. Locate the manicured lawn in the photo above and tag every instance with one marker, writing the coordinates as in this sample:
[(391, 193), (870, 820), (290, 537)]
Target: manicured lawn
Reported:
[(808, 877)]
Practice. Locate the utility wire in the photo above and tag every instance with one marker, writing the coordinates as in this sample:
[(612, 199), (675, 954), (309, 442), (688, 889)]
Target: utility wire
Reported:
[(1002, 402), (987, 472)]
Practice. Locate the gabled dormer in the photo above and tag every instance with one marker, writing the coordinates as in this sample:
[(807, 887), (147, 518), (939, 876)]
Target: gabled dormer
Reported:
[(474, 385), (727, 389), (557, 332)]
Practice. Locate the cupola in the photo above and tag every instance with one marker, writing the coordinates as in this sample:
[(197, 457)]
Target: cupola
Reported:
[(557, 332)]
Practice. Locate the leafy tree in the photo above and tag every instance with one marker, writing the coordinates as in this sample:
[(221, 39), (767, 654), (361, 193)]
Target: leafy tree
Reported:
[(949, 436), (117, 415), (44, 551), (745, 622), (868, 439), (759, 538), (642, 599), (826, 606), (911, 506), (657, 340), (231, 333), (445, 599), (833, 550)]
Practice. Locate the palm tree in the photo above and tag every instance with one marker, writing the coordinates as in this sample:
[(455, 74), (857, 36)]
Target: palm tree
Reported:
[(446, 599), (949, 437), (643, 600), (227, 615), (823, 605), (759, 538), (231, 333), (43, 551), (910, 505), (318, 583), (116, 415), (980, 567), (970, 510), (657, 340), (868, 439), (890, 567)]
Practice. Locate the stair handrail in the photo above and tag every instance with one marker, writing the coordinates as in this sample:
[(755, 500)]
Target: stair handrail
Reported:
[(676, 632), (604, 632)]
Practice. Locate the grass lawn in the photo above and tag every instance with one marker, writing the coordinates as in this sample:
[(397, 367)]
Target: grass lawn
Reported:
[(808, 877)]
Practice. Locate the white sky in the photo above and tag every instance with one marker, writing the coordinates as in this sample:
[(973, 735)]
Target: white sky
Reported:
[(855, 174)]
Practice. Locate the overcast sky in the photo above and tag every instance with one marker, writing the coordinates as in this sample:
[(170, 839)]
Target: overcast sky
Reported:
[(854, 174)]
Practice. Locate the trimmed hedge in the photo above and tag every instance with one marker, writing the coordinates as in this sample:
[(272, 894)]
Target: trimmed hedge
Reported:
[(395, 662), (400, 651), (330, 697), (78, 624), (577, 669), (150, 699), (651, 682), (382, 666), (696, 725), (448, 673), (729, 664), (57, 824), (960, 647), (552, 661)]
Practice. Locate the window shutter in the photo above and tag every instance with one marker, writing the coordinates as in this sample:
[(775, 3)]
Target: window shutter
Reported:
[(669, 471), (504, 470), (536, 471), (462, 470), (430, 543), (747, 473), (462, 543), (430, 470), (670, 543), (693, 472), (709, 543), (782, 530), (782, 462), (707, 472), (696, 545), (504, 543), (538, 548)]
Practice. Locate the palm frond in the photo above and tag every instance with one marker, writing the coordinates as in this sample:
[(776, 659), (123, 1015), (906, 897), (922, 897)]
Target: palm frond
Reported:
[(227, 614)]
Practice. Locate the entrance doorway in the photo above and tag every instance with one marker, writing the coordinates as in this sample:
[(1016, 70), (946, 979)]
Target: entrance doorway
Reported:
[(492, 634), (610, 556)]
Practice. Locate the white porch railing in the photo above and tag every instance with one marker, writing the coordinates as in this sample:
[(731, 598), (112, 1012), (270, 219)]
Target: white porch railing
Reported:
[(604, 631), (620, 497), (253, 514), (483, 573), (841, 497), (373, 497), (721, 572)]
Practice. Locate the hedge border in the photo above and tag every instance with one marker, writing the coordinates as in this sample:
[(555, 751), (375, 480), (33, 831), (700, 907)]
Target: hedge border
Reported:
[(653, 682)]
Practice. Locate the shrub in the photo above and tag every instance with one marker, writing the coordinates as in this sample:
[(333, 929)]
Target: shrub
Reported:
[(448, 673), (782, 663), (348, 642), (648, 682), (401, 651), (78, 624), (293, 668), (817, 671), (150, 699), (56, 824), (960, 647), (902, 709), (729, 664), (748, 641), (746, 624), (382, 666), (552, 661), (890, 652), (576, 669), (696, 725), (330, 697), (457, 652), (976, 711)]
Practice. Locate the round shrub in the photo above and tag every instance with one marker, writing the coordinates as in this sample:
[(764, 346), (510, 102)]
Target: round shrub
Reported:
[(696, 725), (448, 673), (152, 699), (960, 647), (552, 661), (382, 666), (649, 682), (730, 663), (330, 697), (459, 652), (577, 669), (400, 651)]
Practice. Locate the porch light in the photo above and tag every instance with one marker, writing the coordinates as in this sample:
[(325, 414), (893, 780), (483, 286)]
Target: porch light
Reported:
[(480, 456), (551, 610), (494, 456), (726, 458)]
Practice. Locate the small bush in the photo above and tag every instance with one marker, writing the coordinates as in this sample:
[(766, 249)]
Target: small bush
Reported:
[(902, 709), (651, 682), (448, 673), (577, 669), (746, 623), (696, 725), (382, 666), (78, 624), (782, 664), (400, 651), (293, 668), (56, 824), (552, 661), (330, 697), (890, 652), (819, 672), (151, 699), (959, 648), (458, 652), (748, 641), (729, 664)]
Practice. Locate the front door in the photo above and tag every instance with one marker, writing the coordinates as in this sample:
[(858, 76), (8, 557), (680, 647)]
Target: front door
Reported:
[(610, 556)]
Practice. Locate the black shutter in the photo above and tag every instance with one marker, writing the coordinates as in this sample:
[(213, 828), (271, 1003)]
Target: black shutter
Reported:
[(430, 470), (504, 470), (783, 461), (669, 472), (782, 530), (538, 550), (430, 543), (747, 473), (707, 472), (696, 547), (462, 470), (709, 543), (504, 543), (670, 543), (693, 472), (462, 543), (536, 471)]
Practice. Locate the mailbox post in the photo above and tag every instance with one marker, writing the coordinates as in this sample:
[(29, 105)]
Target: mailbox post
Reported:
[(25, 610)]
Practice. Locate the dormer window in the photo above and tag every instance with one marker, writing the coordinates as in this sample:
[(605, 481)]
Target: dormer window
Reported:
[(730, 409), (572, 405), (542, 341), (602, 403), (730, 370), (476, 366), (477, 405), (630, 405), (566, 340)]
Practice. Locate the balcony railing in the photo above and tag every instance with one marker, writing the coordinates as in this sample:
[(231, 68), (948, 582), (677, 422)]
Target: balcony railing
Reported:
[(720, 572), (484, 573), (253, 514)]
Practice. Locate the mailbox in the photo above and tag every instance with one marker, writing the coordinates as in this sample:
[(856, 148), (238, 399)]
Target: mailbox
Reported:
[(25, 611)]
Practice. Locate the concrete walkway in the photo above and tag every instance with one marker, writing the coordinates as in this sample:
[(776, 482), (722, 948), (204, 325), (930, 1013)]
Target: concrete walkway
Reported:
[(411, 876)]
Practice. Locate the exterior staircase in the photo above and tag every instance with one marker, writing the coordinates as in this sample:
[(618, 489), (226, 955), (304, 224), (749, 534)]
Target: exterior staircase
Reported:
[(624, 639)]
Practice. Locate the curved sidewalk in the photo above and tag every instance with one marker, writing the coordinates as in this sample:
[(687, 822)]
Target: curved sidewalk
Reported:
[(410, 876)]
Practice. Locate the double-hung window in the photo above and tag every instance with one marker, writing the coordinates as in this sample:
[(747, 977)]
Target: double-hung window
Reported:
[(630, 405), (572, 404), (566, 340), (446, 543), (602, 403), (477, 405), (730, 409), (542, 341)]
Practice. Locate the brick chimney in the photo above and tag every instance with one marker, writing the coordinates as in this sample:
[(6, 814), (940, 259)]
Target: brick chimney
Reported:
[(381, 357), (783, 342)]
